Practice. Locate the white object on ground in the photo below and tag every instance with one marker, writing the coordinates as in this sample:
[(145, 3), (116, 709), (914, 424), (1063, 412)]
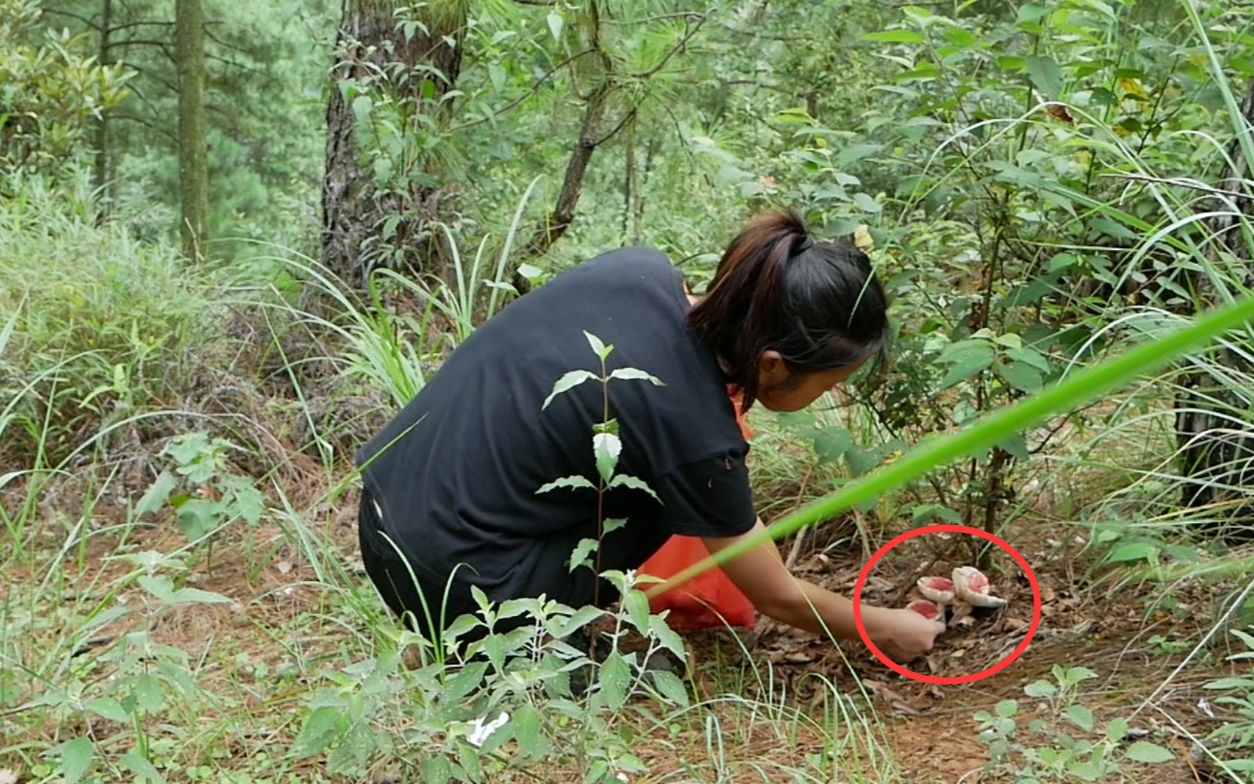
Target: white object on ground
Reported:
[(480, 731)]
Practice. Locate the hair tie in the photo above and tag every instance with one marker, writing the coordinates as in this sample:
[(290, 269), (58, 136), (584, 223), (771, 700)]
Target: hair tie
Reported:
[(803, 246)]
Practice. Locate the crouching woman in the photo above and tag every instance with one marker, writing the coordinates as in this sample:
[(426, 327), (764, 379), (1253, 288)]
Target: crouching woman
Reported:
[(450, 498)]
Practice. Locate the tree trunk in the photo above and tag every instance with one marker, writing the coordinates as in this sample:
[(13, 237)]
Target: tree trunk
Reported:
[(371, 217), (572, 184), (100, 167), (1214, 420), (189, 55)]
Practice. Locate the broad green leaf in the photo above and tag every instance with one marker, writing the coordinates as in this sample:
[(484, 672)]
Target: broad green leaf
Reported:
[(1040, 689), (526, 725), (197, 596), (670, 687), (1007, 708), (198, 517), (109, 709), (637, 607), (602, 350), (969, 362), (895, 37), (634, 483), (635, 374), (856, 152), (466, 680), (1084, 771), (1017, 446), (1144, 751), (612, 524), (148, 694), (186, 448), (248, 501), (76, 756), (1021, 376), (614, 678), (468, 757), (1012, 63), (161, 587), (1080, 674), (579, 555), (568, 381), (1030, 357), (1081, 716), (607, 447), (1133, 551), (321, 727), (1230, 683), (866, 203), (831, 444), (1117, 730), (1031, 12), (579, 619), (139, 765), (362, 107), (1046, 74), (666, 635), (496, 75), (436, 770), (157, 494), (567, 483)]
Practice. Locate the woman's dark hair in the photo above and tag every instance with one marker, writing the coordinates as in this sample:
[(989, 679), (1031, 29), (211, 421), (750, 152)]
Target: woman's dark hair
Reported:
[(818, 304)]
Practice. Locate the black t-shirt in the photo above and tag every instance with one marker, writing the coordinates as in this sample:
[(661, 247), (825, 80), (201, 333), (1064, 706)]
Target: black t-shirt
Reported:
[(456, 472)]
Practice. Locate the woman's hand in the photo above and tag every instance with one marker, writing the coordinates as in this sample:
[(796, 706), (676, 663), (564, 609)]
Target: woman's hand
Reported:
[(902, 635)]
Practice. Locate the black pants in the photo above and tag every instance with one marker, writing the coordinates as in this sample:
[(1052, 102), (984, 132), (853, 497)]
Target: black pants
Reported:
[(405, 584)]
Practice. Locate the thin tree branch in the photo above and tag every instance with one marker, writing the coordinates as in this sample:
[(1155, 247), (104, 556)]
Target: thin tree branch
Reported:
[(674, 49), (146, 123), (89, 22), (631, 113), (534, 88)]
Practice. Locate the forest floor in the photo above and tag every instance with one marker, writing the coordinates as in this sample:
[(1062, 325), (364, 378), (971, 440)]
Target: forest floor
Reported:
[(282, 618)]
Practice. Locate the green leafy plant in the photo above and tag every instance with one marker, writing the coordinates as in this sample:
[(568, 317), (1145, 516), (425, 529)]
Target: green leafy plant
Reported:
[(1039, 751), (150, 683), (1235, 738), (606, 447), (201, 488)]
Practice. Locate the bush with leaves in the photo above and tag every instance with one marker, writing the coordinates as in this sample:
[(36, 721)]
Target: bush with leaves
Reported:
[(109, 326), (51, 89)]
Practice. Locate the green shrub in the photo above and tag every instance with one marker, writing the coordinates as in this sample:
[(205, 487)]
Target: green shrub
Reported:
[(103, 326)]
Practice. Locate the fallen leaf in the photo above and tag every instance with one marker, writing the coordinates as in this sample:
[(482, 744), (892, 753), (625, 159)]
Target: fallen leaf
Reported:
[(283, 566), (8, 776)]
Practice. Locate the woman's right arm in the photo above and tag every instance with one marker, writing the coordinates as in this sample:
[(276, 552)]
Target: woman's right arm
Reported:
[(761, 575)]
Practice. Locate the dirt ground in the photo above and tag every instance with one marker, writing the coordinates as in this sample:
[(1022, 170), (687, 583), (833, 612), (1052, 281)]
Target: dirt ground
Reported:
[(928, 728), (931, 729)]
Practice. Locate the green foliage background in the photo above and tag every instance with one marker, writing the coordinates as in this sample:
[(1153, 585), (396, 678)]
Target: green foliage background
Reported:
[(1041, 185)]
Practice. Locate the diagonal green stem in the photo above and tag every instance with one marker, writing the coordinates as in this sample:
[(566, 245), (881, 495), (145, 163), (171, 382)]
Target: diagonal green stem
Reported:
[(991, 429)]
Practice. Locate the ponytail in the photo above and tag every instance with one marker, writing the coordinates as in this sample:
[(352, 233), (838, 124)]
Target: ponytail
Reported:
[(818, 304)]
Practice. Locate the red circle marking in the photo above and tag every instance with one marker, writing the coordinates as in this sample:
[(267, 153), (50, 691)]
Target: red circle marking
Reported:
[(951, 680)]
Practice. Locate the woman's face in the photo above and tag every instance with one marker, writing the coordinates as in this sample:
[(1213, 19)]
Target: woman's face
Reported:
[(780, 390)]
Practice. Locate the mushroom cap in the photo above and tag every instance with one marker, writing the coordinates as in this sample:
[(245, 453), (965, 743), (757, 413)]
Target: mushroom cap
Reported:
[(972, 587), (926, 609), (936, 589)]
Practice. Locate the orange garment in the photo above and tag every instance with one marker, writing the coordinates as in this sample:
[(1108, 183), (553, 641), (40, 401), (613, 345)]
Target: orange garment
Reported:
[(709, 599)]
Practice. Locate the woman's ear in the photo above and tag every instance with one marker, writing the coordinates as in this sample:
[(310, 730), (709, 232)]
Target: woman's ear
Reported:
[(772, 370)]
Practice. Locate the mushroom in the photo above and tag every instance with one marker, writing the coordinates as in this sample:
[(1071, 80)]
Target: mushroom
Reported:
[(972, 587), (961, 616), (927, 609), (936, 589)]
